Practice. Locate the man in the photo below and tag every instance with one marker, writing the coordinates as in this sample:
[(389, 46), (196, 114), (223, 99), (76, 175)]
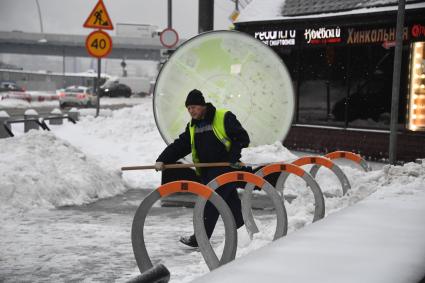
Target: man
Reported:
[(213, 135)]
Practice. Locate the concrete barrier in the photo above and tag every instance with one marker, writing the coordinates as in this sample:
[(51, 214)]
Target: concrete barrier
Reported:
[(30, 125), (56, 112), (74, 114)]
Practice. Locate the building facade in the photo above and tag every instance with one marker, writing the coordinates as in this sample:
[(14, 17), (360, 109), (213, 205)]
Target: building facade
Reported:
[(341, 65)]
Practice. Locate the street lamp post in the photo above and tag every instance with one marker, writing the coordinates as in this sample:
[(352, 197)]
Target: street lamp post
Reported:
[(39, 16), (43, 39)]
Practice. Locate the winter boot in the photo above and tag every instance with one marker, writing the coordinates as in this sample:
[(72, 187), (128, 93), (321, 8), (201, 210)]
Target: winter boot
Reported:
[(189, 241)]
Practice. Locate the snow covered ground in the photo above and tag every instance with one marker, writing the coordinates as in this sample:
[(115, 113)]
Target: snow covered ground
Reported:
[(104, 101), (66, 208)]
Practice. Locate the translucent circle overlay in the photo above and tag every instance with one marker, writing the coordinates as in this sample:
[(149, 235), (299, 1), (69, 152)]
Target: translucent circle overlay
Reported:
[(234, 71)]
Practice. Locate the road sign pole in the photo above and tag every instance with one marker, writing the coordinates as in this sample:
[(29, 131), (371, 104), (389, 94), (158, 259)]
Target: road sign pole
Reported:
[(205, 15), (98, 43), (170, 9), (98, 86)]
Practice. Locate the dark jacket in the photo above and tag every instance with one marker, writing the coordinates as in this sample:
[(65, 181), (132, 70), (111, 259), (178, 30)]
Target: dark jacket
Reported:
[(207, 145)]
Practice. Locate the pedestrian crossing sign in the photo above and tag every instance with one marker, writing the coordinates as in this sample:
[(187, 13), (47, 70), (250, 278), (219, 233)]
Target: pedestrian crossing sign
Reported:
[(99, 18)]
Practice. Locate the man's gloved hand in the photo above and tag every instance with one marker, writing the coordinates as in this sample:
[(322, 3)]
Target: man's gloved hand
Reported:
[(159, 166), (236, 165)]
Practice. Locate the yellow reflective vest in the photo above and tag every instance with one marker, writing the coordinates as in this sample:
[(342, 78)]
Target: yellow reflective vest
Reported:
[(219, 131)]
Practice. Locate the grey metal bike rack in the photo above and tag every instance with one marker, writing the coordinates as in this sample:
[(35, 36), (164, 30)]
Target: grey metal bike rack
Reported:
[(345, 155), (254, 180), (6, 124), (206, 194), (345, 184), (41, 122), (319, 201), (50, 118)]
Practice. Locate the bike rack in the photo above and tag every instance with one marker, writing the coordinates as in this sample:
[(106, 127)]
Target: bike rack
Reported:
[(41, 122), (6, 124), (319, 201), (249, 178), (205, 194), (345, 184), (57, 118), (346, 155)]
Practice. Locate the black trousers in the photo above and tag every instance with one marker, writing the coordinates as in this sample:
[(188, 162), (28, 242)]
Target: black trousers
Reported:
[(228, 192)]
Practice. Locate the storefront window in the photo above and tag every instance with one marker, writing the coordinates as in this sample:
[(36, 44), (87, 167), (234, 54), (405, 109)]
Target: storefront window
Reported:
[(343, 76), (371, 81), (369, 99), (349, 86), (322, 83)]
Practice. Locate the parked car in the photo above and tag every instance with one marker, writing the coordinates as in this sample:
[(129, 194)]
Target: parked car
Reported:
[(115, 89), (79, 96), (10, 90), (10, 86)]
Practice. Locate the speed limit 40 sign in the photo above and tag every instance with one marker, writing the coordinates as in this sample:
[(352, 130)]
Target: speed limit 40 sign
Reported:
[(99, 44)]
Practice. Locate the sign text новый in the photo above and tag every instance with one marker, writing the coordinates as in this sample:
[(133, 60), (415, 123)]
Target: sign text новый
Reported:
[(322, 35)]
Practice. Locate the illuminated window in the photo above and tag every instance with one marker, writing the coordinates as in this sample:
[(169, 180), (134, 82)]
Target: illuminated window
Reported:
[(417, 88)]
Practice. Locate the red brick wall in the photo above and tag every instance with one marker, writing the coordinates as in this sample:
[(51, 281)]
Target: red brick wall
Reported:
[(371, 145)]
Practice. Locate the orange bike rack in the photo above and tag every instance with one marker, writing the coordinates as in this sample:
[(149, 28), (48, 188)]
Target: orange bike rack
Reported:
[(249, 178), (206, 194)]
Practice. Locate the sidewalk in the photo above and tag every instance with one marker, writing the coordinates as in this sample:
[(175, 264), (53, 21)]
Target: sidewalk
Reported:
[(379, 239)]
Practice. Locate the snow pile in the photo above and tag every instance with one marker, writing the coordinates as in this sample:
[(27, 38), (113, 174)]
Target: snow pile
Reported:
[(104, 101), (39, 170), (267, 153), (378, 240), (123, 137), (396, 183), (390, 180), (127, 137)]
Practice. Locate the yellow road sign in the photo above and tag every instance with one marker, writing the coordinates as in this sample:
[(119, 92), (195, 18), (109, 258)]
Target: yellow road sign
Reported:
[(99, 18), (99, 44), (234, 16)]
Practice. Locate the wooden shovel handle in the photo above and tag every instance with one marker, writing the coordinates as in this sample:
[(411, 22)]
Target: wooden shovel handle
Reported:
[(175, 166)]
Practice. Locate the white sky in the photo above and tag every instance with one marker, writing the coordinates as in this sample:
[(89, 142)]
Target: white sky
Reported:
[(64, 16)]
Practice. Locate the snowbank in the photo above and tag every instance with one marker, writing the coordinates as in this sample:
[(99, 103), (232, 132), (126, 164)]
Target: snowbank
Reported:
[(68, 165), (126, 137), (380, 239), (39, 170), (38, 99), (267, 153)]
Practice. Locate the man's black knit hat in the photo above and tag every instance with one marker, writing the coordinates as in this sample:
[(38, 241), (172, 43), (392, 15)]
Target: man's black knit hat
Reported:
[(195, 97)]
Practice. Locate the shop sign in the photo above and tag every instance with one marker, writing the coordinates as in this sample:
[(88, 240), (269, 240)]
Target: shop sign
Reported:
[(277, 37), (374, 35), (418, 31), (322, 35), (388, 44)]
